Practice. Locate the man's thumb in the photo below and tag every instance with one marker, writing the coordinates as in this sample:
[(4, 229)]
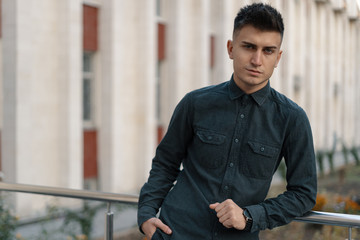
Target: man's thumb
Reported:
[(163, 227), (214, 205)]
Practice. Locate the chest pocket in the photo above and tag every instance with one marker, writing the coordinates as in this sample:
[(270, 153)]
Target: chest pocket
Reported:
[(210, 148), (260, 160)]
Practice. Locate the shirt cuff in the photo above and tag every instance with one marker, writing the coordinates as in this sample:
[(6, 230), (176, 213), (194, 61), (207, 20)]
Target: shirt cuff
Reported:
[(144, 214), (258, 216)]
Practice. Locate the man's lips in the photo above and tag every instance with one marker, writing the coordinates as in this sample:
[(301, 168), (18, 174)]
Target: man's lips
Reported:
[(253, 72)]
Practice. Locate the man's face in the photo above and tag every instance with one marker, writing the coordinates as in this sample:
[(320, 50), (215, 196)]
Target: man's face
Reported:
[(255, 54)]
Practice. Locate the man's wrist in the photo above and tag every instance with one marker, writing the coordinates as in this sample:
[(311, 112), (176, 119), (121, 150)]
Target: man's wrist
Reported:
[(248, 220)]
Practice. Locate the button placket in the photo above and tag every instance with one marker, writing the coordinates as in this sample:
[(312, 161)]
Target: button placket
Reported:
[(226, 186)]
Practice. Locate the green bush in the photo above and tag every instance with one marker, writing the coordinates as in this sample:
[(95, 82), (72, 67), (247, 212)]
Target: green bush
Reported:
[(84, 218), (7, 222), (320, 161), (354, 152)]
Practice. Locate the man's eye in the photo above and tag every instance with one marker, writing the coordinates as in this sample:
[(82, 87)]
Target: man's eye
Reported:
[(248, 46), (268, 51)]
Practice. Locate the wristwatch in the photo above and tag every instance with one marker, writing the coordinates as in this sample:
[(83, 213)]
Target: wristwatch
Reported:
[(248, 219)]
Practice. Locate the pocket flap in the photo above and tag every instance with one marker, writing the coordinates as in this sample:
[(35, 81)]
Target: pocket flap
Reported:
[(210, 137), (263, 149)]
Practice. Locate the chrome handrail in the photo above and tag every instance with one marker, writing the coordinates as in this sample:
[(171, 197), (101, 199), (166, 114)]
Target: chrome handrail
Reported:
[(336, 219), (70, 193), (327, 218), (79, 194)]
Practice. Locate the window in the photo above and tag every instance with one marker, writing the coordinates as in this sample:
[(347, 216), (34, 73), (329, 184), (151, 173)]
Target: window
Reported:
[(159, 77), (88, 76), (158, 8), (90, 47)]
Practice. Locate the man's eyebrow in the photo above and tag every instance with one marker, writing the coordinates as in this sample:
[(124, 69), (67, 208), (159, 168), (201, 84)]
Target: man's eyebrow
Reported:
[(248, 43), (252, 44), (271, 47)]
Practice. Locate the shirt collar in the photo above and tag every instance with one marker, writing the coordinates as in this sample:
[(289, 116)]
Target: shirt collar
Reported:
[(234, 91), (259, 96)]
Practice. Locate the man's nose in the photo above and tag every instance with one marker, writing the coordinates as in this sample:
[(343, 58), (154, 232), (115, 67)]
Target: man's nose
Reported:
[(256, 58)]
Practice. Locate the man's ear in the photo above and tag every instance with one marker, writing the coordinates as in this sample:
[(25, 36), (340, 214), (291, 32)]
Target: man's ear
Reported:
[(278, 58), (230, 49)]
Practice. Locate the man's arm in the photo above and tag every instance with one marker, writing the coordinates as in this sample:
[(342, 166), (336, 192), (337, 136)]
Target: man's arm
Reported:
[(166, 163), (300, 196)]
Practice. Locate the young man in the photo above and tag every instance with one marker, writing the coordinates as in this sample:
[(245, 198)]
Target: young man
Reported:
[(230, 139)]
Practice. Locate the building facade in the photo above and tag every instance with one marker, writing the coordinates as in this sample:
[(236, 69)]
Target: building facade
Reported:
[(88, 86)]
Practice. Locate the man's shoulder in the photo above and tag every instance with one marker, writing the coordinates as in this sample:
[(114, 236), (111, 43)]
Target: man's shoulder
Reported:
[(221, 88), (285, 103)]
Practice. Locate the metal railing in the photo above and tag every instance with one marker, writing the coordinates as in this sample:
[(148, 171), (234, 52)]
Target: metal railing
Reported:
[(109, 198), (336, 219), (325, 218)]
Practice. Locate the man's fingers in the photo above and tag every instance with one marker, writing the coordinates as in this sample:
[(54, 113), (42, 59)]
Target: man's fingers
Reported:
[(149, 227), (163, 227), (229, 214)]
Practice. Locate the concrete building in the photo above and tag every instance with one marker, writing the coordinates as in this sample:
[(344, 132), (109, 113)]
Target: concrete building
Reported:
[(88, 86)]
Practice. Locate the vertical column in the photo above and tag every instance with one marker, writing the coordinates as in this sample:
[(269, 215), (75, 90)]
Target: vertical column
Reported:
[(128, 60), (357, 86), (345, 82), (70, 128), (331, 78), (146, 88), (189, 33), (200, 41), (351, 83), (276, 80), (337, 70), (221, 22), (36, 104), (321, 83), (289, 51), (310, 75), (1, 82), (176, 66), (302, 45), (9, 45), (188, 52)]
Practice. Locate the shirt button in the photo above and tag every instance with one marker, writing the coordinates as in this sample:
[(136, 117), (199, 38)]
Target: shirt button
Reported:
[(242, 115), (236, 140), (231, 164), (226, 188), (262, 149)]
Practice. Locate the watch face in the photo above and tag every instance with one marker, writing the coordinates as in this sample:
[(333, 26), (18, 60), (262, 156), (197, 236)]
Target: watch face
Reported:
[(247, 214)]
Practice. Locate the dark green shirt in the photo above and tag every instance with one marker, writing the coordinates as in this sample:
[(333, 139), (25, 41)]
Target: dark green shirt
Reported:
[(222, 143)]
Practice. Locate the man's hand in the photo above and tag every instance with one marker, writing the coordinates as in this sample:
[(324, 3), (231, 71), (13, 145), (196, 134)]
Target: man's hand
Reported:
[(149, 227), (229, 214)]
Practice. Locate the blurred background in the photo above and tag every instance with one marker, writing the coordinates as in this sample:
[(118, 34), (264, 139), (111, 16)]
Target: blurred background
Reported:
[(87, 87)]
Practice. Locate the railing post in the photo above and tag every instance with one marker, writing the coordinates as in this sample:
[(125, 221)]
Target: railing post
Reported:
[(109, 223), (350, 237)]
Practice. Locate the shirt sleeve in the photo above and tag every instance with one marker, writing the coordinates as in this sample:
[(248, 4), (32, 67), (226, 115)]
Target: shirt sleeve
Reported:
[(301, 189), (166, 163)]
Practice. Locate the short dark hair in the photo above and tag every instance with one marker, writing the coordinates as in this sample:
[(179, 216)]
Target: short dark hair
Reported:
[(261, 16)]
